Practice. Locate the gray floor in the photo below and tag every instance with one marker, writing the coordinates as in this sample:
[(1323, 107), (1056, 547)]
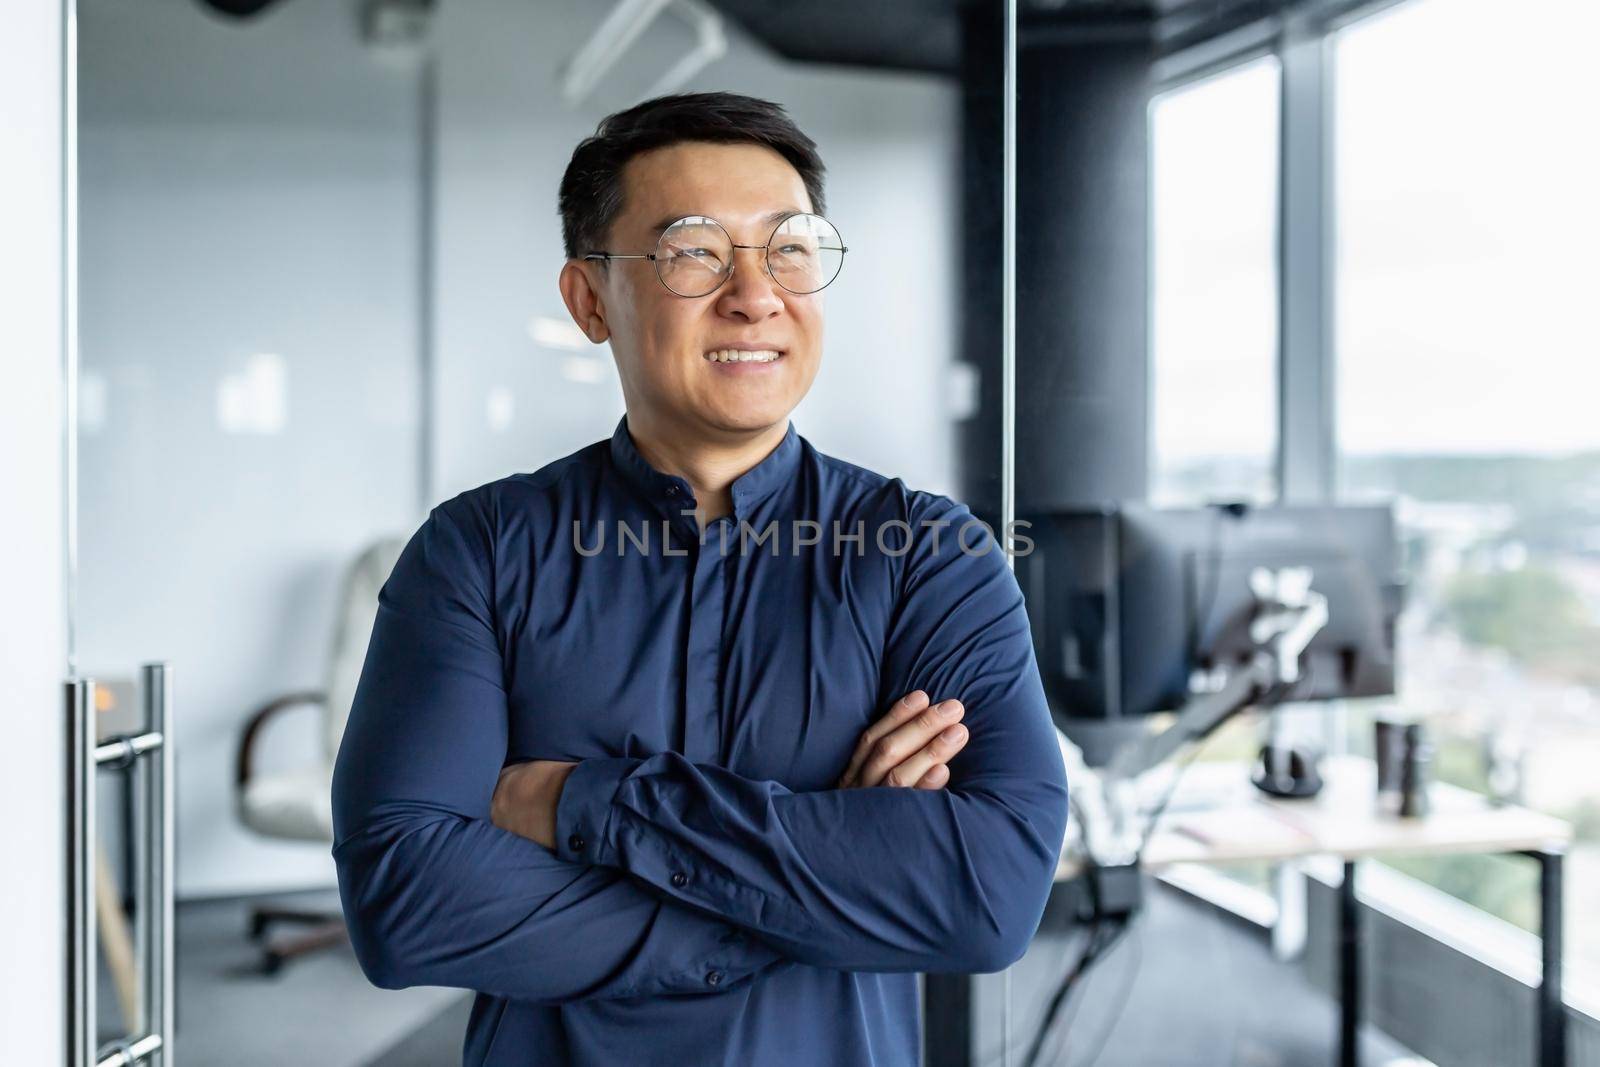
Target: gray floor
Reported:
[(434, 1044), (319, 1011), (1190, 988)]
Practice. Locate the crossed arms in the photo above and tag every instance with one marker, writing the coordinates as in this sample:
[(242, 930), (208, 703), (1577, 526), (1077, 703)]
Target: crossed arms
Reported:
[(664, 876)]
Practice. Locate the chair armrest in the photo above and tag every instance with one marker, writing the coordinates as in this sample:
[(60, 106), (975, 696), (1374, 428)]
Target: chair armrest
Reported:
[(244, 768)]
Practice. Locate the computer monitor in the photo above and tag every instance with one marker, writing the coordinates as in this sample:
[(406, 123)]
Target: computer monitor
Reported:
[(1130, 605)]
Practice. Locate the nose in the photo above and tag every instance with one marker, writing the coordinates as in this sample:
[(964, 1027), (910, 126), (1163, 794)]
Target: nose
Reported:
[(750, 294)]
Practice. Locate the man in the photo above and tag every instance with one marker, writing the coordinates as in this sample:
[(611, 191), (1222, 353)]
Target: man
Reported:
[(662, 787)]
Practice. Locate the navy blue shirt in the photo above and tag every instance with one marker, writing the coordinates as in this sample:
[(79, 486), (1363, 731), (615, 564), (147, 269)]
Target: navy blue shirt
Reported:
[(712, 898)]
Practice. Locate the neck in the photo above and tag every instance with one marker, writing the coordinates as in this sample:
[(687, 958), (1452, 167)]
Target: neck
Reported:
[(709, 463)]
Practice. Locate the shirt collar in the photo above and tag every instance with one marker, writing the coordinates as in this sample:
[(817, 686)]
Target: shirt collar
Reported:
[(749, 489)]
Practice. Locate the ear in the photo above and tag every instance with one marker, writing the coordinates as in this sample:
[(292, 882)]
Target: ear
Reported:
[(583, 300)]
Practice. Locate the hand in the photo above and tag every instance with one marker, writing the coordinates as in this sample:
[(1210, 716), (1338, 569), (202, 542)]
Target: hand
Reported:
[(909, 746), (526, 796)]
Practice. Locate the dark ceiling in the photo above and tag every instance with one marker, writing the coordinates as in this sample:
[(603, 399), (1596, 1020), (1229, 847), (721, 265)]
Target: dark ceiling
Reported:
[(927, 35)]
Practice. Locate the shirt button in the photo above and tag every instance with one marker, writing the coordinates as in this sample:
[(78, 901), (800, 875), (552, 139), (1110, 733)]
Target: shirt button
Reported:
[(672, 490), (714, 978), (680, 879), (575, 843)]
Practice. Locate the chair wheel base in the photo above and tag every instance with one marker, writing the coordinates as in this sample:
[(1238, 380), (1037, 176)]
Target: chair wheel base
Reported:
[(322, 930)]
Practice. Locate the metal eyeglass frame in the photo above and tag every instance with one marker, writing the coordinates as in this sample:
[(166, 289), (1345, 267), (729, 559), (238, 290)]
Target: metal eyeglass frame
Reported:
[(766, 258)]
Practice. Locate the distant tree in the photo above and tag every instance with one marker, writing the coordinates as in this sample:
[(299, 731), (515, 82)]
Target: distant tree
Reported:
[(1532, 613), (1585, 819), (1500, 885)]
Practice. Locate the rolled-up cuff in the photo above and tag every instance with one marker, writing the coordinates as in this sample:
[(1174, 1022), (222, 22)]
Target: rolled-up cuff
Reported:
[(583, 814)]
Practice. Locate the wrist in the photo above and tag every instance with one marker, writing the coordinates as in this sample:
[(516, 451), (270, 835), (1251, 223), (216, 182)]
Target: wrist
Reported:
[(550, 803)]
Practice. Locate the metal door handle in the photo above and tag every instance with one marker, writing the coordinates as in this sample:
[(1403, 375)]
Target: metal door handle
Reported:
[(150, 751)]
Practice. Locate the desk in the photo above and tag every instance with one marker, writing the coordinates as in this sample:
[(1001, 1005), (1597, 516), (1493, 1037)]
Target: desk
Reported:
[(1216, 816)]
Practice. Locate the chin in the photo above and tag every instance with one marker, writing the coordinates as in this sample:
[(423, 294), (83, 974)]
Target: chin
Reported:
[(750, 419)]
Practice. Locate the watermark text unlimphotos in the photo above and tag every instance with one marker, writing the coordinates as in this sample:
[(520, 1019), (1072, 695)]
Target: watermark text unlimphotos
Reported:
[(893, 537)]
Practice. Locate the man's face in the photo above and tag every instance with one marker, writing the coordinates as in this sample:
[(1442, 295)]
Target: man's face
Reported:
[(662, 341)]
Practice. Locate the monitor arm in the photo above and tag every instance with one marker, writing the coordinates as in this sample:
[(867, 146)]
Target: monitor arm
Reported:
[(1288, 615)]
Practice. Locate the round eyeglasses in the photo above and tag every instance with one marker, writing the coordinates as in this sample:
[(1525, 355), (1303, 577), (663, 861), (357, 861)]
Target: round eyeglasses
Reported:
[(695, 255)]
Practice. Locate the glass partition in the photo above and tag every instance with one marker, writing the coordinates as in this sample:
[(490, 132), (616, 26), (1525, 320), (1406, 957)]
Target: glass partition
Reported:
[(319, 256)]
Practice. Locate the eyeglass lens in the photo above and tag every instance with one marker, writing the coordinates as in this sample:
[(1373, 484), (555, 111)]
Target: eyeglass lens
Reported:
[(695, 254)]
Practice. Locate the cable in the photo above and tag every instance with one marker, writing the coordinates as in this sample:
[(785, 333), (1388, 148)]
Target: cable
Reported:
[(1074, 804), (994, 1050), (1096, 952), (1121, 999), (1235, 510), (1198, 615), (1048, 1023), (1096, 948), (1275, 694)]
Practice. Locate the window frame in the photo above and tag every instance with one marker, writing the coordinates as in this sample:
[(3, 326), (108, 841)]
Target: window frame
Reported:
[(1193, 47)]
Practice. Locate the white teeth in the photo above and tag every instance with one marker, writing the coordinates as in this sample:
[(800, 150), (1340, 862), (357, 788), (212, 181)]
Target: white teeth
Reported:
[(734, 355)]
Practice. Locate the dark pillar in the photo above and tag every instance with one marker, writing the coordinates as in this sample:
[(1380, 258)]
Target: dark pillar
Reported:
[(1082, 262), (1082, 266)]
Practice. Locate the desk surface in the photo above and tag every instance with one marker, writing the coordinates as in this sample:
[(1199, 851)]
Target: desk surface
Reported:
[(1217, 816)]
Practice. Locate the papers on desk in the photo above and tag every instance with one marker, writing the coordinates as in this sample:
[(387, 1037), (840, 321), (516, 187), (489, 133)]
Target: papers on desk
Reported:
[(1244, 828), (1216, 816)]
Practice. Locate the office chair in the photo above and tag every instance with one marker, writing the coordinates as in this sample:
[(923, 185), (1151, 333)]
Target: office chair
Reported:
[(297, 805)]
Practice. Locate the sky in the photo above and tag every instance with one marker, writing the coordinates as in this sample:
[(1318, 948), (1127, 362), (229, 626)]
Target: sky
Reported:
[(1467, 214)]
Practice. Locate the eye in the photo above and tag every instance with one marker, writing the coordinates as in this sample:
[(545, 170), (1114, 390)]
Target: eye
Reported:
[(708, 257)]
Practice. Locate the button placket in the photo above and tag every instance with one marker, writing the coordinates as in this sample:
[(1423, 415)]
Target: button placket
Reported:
[(702, 657)]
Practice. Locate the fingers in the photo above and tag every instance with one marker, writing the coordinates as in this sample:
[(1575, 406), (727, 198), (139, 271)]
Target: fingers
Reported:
[(903, 709), (936, 753), (914, 738), (938, 777)]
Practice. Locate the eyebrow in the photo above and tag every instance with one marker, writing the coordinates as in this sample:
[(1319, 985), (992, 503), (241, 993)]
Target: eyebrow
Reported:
[(771, 218)]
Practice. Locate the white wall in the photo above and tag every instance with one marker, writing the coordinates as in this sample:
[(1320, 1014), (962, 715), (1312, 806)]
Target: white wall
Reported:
[(249, 189), (33, 659), (253, 188)]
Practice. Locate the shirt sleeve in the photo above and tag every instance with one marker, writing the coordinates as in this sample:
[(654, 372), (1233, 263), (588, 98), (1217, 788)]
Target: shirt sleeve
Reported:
[(876, 879), (434, 893)]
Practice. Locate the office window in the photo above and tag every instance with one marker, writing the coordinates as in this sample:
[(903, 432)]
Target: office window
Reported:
[(1468, 372), (1214, 316)]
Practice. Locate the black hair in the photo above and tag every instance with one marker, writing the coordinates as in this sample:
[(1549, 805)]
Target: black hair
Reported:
[(591, 188)]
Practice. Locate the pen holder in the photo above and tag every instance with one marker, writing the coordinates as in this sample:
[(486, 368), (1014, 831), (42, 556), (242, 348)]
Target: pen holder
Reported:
[(1404, 758)]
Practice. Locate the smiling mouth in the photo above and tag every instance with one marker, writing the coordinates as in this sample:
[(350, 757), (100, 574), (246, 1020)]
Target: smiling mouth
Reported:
[(739, 355)]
